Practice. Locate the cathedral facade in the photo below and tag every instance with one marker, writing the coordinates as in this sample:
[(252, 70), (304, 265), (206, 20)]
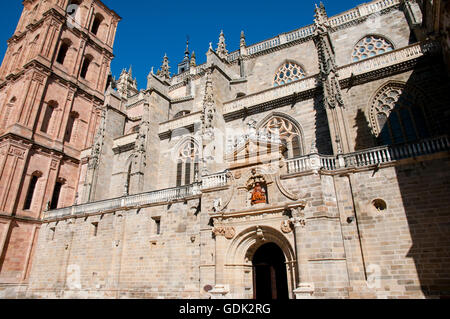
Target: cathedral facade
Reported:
[(311, 165)]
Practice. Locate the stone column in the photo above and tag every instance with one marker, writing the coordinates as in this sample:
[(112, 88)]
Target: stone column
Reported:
[(221, 233), (305, 289)]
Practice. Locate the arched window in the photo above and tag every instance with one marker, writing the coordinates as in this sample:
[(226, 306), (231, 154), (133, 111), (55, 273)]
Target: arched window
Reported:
[(97, 23), (69, 136), (63, 49), (85, 67), (287, 73), (289, 134), (398, 115), (48, 116), (31, 190), (187, 163), (57, 193), (370, 46)]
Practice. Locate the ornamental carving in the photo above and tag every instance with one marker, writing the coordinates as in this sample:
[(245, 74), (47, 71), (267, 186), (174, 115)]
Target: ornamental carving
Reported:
[(14, 151), (227, 232), (286, 227), (54, 164)]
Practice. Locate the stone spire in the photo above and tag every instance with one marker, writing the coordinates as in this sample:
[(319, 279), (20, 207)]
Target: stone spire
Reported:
[(164, 72), (222, 51), (328, 67)]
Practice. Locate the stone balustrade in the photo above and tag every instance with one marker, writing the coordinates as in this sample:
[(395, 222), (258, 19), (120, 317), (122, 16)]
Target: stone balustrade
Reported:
[(370, 157), (336, 21), (366, 158), (127, 202), (362, 11), (216, 180)]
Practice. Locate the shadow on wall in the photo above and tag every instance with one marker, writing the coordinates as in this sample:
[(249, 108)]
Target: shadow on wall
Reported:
[(322, 133), (364, 136), (425, 186)]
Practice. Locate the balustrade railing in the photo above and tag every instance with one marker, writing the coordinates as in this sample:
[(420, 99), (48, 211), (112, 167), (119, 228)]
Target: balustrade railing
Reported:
[(125, 202), (392, 153), (217, 180), (348, 16), (375, 156)]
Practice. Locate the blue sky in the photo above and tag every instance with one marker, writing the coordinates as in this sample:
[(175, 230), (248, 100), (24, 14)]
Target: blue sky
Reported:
[(151, 28)]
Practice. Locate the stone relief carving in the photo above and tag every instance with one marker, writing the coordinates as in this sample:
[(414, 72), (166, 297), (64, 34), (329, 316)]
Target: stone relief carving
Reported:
[(227, 232)]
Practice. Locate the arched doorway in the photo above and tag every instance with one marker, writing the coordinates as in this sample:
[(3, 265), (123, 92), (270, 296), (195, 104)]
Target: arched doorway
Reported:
[(269, 273)]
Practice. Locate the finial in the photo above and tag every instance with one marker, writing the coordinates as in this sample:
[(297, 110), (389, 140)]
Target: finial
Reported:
[(243, 39), (222, 47), (193, 60), (164, 71), (210, 46)]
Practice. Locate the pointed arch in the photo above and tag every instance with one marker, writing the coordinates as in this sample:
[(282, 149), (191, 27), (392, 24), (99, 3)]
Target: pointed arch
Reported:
[(289, 71), (289, 130), (187, 159), (398, 114), (371, 45)]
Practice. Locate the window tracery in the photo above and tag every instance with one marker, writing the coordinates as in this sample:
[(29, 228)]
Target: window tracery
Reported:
[(187, 163), (287, 73), (288, 134), (370, 46), (398, 116)]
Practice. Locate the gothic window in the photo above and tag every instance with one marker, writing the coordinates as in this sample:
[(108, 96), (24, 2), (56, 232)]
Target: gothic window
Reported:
[(31, 190), (398, 116), (287, 73), (187, 163), (64, 48), (288, 133), (48, 116), (85, 67), (370, 46)]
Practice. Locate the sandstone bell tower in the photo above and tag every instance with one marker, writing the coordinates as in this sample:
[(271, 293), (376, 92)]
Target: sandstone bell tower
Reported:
[(52, 83)]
